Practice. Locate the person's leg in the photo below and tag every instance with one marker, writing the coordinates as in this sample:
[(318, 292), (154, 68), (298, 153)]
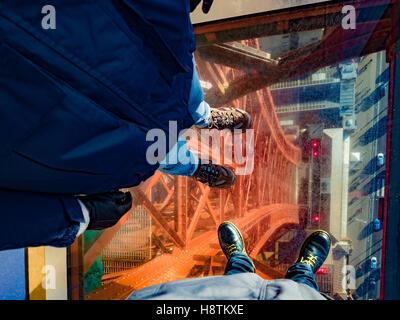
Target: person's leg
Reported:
[(232, 245), (313, 253), (180, 161), (206, 117), (302, 273), (198, 108), (37, 219), (239, 263)]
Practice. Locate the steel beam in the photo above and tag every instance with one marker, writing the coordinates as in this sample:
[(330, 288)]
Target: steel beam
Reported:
[(318, 16)]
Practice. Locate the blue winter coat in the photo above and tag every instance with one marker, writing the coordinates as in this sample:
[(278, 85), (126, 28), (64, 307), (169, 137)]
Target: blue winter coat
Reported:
[(77, 101)]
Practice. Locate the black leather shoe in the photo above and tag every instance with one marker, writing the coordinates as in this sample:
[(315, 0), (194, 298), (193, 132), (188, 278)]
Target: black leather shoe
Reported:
[(215, 176), (106, 209), (315, 249), (230, 239)]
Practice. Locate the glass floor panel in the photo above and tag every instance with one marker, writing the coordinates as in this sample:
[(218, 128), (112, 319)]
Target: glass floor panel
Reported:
[(315, 158)]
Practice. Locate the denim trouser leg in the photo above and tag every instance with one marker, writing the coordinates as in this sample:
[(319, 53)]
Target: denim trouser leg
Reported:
[(180, 161), (198, 108), (302, 273), (239, 263)]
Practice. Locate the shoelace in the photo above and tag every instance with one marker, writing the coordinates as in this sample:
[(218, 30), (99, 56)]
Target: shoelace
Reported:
[(220, 118), (310, 259), (209, 172), (231, 249)]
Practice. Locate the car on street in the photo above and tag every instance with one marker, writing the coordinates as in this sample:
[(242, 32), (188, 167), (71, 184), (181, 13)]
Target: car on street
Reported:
[(372, 283), (380, 191), (382, 90), (377, 224), (374, 262), (380, 159)]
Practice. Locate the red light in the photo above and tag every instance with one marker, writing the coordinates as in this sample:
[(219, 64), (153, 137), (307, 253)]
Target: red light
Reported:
[(254, 71), (315, 144), (322, 270), (315, 153), (316, 218)]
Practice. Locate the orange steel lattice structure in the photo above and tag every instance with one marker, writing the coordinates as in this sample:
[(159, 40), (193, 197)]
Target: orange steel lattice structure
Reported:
[(185, 214)]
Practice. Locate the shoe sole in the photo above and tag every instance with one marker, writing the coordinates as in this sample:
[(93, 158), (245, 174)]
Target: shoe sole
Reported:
[(309, 239), (250, 117), (227, 187), (251, 120)]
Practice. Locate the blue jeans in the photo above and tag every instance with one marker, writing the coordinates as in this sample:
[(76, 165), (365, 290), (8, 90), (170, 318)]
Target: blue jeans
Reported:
[(299, 272), (198, 108), (200, 112), (239, 263), (185, 166), (302, 273)]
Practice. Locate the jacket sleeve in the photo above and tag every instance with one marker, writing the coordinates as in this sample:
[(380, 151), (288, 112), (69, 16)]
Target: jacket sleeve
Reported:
[(30, 220)]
